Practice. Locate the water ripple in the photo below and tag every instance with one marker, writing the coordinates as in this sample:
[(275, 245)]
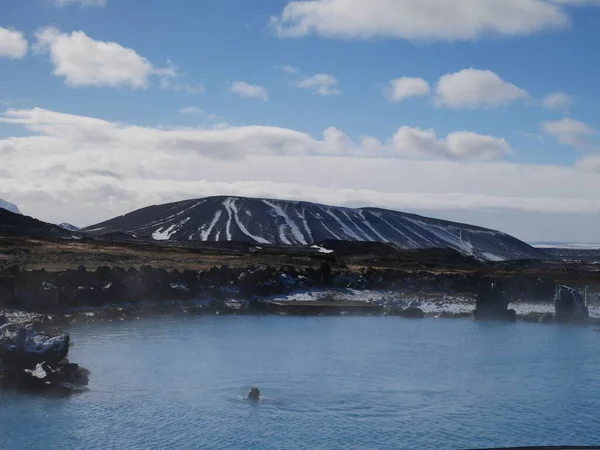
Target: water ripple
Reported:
[(339, 382)]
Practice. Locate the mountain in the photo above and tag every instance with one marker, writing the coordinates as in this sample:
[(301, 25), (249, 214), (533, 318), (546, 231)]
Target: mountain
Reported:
[(264, 221), (18, 225), (9, 207), (68, 226)]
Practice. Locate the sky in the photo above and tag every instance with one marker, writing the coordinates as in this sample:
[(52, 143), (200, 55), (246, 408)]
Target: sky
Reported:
[(478, 111)]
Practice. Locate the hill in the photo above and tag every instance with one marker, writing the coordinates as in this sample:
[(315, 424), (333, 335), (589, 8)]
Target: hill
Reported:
[(265, 221), (17, 225)]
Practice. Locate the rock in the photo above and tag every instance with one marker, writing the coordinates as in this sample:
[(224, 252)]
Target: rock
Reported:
[(546, 318), (3, 319), (325, 274), (22, 347), (491, 302), (569, 306), (33, 360), (65, 377), (409, 313)]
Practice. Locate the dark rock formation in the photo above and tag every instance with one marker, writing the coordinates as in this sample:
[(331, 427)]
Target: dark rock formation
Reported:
[(546, 318), (492, 303), (33, 360), (570, 306), (410, 313)]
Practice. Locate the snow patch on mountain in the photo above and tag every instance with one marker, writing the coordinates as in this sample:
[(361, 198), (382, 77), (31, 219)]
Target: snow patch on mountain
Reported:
[(9, 206), (68, 226)]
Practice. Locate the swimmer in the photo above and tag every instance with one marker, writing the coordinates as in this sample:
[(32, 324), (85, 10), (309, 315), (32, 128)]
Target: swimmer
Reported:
[(254, 394)]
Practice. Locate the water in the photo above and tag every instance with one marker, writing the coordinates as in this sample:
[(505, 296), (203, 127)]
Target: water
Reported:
[(339, 382)]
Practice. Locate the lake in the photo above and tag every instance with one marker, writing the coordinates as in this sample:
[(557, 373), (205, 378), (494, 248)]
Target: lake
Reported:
[(327, 382)]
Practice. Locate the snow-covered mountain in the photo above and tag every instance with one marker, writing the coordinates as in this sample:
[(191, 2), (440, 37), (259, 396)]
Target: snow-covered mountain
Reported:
[(68, 226), (263, 221), (9, 207)]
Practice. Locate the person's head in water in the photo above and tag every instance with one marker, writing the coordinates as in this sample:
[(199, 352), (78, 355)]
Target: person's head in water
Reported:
[(254, 394)]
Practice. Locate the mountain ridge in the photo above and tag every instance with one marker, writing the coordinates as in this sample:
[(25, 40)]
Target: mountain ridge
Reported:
[(9, 206), (272, 221)]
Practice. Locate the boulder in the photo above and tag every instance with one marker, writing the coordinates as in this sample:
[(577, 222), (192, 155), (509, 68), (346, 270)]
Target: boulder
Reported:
[(65, 377), (546, 318), (22, 347), (492, 303), (570, 306), (37, 361), (409, 313)]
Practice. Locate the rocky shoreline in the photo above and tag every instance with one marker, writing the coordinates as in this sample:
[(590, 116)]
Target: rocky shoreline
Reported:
[(119, 294)]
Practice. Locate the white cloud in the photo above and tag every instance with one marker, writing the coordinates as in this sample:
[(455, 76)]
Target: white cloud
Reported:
[(83, 61), (169, 80), (288, 69), (590, 163), (191, 110), (84, 170), (418, 19), (244, 89), (403, 88), (577, 2), (63, 3), (557, 101), (472, 89), (462, 145), (322, 84), (570, 132), (13, 44)]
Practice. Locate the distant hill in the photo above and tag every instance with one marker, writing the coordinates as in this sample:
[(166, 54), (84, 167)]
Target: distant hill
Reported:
[(266, 221), (9, 207), (18, 225), (68, 226)]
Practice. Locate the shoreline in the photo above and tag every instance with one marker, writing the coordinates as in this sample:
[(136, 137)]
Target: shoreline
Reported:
[(324, 303)]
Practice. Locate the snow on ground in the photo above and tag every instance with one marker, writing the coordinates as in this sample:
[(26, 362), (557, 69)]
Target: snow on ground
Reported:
[(163, 234), (493, 258), (568, 246), (321, 249), (430, 304)]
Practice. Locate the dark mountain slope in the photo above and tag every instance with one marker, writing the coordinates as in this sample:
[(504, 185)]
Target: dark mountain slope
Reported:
[(17, 225), (263, 221)]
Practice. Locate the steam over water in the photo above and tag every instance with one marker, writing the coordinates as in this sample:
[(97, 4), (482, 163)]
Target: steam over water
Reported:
[(328, 382)]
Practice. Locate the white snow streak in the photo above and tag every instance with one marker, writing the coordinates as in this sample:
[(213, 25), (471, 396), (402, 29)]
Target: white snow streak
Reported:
[(492, 257), (370, 227), (345, 228), (305, 224), (232, 209), (226, 204), (278, 210), (204, 234), (164, 234)]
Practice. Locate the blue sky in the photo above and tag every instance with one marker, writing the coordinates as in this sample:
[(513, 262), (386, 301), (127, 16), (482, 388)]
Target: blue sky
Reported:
[(521, 52)]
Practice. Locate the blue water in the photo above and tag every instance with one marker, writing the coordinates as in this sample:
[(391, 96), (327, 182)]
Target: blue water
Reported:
[(330, 383)]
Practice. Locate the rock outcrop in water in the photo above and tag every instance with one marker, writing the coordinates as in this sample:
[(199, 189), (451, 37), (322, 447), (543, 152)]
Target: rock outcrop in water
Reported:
[(570, 306), (492, 303), (31, 359)]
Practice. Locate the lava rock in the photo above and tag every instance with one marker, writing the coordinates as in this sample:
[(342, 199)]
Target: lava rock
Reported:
[(491, 302), (569, 306), (23, 347), (409, 313)]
